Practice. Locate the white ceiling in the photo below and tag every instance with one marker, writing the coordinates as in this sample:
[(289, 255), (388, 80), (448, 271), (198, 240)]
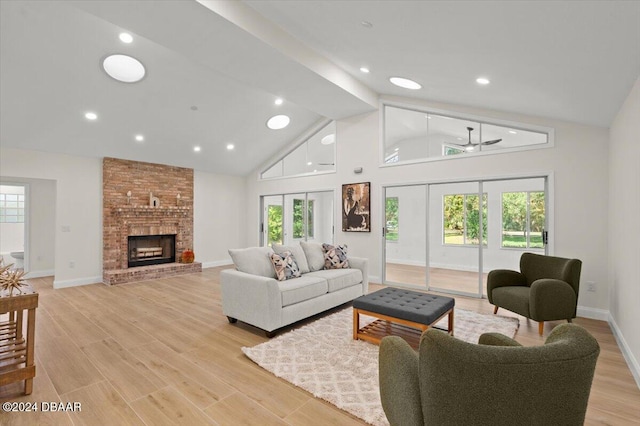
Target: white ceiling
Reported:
[(569, 60)]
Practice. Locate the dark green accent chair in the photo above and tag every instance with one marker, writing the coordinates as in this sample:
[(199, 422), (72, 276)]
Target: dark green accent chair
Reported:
[(545, 289), (497, 382)]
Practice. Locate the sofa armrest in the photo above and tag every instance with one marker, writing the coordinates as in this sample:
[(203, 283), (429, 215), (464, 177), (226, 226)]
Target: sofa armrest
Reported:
[(502, 278), (362, 264), (552, 299), (253, 299)]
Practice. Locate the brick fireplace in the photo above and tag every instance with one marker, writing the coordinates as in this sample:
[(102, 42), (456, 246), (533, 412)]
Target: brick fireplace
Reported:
[(145, 200)]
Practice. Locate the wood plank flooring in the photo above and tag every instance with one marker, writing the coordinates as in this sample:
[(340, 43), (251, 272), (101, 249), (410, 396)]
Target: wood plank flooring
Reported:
[(161, 352)]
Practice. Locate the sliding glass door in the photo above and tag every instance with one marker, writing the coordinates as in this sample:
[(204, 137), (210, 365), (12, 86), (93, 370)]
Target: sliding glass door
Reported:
[(446, 237)]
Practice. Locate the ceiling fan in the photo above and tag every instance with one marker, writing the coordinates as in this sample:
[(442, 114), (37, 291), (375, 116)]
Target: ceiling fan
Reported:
[(470, 145)]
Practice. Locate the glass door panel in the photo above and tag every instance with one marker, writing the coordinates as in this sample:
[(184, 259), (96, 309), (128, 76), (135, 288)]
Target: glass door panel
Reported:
[(517, 223), (455, 225), (320, 216), (294, 218), (272, 220), (405, 235)]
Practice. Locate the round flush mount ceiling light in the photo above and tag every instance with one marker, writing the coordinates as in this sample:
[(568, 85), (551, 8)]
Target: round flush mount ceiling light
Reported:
[(482, 80), (125, 38), (405, 83), (90, 116), (124, 68), (329, 139), (278, 122)]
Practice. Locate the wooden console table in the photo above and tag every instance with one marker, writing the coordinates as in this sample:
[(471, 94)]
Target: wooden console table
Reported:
[(16, 351)]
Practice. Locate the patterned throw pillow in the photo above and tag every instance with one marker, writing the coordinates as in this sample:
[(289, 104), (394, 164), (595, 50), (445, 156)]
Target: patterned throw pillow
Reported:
[(335, 257), (285, 266)]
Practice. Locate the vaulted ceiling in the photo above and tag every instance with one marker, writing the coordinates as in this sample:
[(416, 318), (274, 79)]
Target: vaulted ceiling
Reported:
[(215, 69)]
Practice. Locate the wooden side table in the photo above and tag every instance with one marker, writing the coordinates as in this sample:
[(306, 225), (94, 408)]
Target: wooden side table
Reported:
[(16, 350)]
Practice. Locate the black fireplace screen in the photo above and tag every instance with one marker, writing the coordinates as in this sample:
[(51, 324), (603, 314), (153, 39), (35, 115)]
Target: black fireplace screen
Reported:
[(151, 249)]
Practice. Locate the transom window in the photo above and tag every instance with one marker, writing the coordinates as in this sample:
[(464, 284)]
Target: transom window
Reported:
[(414, 135)]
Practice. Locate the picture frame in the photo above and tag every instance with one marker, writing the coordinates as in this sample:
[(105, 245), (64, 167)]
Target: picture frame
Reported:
[(356, 207)]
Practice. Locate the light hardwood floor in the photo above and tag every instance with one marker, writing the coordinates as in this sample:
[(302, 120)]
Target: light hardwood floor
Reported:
[(161, 352)]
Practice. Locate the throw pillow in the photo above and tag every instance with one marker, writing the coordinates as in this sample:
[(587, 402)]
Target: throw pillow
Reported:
[(335, 257), (297, 252), (314, 254), (285, 266), (253, 260)]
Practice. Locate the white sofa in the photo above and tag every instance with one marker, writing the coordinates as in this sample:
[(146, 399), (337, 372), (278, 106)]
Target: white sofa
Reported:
[(251, 294)]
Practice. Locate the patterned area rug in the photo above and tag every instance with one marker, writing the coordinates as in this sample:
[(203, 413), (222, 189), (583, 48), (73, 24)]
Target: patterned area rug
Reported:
[(323, 359)]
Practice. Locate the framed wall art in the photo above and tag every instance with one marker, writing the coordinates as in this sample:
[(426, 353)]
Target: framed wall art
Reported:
[(356, 207)]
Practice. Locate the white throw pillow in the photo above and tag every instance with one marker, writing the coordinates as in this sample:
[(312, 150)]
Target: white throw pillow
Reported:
[(254, 261), (315, 255), (297, 252)]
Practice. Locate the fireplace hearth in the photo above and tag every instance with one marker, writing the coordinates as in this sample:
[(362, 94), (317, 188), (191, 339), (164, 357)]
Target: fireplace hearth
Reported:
[(147, 250)]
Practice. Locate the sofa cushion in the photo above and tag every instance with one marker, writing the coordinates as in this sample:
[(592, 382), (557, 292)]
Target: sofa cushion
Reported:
[(338, 279), (335, 257), (513, 298), (254, 261), (298, 255), (315, 256), (304, 288), (285, 266)]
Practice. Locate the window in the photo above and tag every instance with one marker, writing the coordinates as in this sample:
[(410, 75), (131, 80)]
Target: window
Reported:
[(274, 217), (314, 154), (461, 218), (11, 208), (298, 218), (413, 135), (523, 219), (391, 218)]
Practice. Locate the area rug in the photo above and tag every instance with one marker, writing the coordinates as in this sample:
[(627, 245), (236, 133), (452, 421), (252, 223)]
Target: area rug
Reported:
[(323, 359)]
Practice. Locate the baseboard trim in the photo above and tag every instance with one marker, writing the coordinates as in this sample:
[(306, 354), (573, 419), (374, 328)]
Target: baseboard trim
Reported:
[(39, 274), (593, 313), (216, 263), (77, 282), (632, 362)]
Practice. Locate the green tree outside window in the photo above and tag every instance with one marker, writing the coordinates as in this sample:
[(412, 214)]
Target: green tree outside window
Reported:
[(391, 219)]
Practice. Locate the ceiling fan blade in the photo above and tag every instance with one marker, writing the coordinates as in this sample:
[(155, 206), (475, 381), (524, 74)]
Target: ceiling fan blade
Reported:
[(326, 164), (489, 142)]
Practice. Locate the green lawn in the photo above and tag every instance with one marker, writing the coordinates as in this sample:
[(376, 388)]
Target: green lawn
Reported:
[(508, 240)]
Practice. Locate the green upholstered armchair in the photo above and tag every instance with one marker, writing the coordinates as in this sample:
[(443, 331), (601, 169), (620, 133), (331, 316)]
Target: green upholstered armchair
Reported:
[(545, 289), (497, 382)]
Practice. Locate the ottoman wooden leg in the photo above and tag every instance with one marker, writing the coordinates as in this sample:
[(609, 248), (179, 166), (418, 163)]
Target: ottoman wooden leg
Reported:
[(356, 323)]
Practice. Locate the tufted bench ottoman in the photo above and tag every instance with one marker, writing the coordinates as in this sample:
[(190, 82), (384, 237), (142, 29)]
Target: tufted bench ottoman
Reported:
[(401, 313)]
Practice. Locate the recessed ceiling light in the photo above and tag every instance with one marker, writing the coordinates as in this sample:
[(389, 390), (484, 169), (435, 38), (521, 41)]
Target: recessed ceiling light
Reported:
[(139, 138), (513, 132), (124, 68), (405, 83), (90, 115), (428, 116), (196, 148), (366, 24), (278, 122), (309, 163), (482, 80), (364, 70), (230, 146), (328, 140), (278, 101), (125, 38), (397, 149)]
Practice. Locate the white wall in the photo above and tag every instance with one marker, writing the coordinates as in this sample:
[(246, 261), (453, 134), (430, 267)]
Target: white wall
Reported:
[(219, 217), (624, 228), (578, 161)]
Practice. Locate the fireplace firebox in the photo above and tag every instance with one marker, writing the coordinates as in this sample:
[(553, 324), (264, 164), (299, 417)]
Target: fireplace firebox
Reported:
[(151, 249)]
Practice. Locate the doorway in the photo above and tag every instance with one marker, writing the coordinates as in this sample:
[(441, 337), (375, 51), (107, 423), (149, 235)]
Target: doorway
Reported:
[(14, 225)]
